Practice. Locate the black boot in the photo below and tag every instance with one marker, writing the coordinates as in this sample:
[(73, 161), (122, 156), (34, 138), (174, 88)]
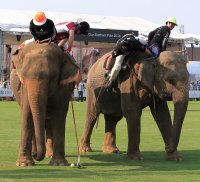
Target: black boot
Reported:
[(110, 86)]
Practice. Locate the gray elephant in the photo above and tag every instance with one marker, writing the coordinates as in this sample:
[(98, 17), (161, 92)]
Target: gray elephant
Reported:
[(39, 82), (166, 78)]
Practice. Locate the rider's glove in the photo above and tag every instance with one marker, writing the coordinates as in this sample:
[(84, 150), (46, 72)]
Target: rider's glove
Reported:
[(106, 73)]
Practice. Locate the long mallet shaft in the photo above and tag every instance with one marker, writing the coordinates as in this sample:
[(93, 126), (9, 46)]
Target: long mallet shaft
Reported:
[(75, 131)]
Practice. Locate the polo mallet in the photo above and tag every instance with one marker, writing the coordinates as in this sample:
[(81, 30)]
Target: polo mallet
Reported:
[(79, 156), (179, 51), (45, 40)]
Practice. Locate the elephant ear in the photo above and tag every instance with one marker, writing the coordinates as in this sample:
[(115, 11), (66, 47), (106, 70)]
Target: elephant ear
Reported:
[(17, 62), (70, 72), (147, 72)]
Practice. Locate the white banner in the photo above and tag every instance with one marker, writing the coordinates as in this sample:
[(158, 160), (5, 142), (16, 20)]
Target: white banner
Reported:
[(194, 94), (6, 92)]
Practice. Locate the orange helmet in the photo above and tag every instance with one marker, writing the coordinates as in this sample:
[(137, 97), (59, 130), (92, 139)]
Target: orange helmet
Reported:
[(39, 18)]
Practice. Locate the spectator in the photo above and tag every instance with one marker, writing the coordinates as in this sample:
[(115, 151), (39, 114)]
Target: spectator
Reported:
[(192, 85), (1, 83), (84, 96), (4, 83), (80, 91), (198, 85), (8, 84)]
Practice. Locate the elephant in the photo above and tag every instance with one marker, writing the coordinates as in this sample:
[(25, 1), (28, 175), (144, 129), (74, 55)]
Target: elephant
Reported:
[(39, 80), (157, 81)]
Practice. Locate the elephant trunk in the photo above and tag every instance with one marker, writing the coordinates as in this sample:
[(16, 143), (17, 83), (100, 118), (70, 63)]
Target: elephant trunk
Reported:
[(180, 100), (37, 95)]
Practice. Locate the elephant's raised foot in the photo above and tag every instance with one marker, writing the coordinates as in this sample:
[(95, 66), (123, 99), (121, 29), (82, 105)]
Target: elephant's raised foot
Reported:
[(175, 156), (25, 163), (135, 156), (85, 148), (58, 162), (110, 149)]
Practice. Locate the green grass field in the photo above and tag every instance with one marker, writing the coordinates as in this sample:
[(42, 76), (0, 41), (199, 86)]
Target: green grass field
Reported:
[(98, 166)]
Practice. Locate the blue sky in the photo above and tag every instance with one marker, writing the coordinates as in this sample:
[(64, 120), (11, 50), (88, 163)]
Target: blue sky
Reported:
[(187, 13)]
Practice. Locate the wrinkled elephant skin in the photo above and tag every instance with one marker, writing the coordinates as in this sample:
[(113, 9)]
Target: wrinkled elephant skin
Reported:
[(39, 82), (165, 77)]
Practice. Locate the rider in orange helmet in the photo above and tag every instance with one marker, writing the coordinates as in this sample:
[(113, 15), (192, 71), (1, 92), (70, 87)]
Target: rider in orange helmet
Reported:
[(41, 28)]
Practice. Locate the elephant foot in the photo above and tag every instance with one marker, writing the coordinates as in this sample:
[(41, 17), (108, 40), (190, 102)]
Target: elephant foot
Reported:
[(134, 156), (58, 162), (85, 148), (110, 149), (20, 162), (174, 156)]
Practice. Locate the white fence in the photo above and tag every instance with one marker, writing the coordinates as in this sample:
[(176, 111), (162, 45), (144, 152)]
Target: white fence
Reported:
[(6, 92), (194, 94)]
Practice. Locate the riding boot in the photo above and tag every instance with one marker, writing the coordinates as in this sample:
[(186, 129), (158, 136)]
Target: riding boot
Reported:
[(110, 86)]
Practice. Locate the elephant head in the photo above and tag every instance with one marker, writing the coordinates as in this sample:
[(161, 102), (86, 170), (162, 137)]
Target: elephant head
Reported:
[(167, 77), (43, 70)]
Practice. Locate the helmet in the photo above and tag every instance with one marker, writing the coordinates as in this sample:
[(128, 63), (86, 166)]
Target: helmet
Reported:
[(171, 20), (84, 27), (39, 18), (126, 45)]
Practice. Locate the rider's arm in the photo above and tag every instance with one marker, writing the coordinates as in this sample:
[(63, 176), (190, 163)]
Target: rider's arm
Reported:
[(33, 32), (109, 62), (71, 38), (151, 35), (53, 31), (166, 34)]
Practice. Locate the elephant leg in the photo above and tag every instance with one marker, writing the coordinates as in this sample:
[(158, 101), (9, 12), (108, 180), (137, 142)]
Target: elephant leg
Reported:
[(49, 138), (58, 117), (162, 117), (91, 117), (133, 122), (109, 145), (85, 139), (27, 129)]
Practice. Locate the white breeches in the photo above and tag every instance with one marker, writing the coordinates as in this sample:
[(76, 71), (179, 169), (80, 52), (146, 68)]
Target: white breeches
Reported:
[(117, 67), (29, 41)]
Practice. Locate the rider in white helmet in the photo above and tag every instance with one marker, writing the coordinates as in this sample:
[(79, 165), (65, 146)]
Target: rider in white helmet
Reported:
[(158, 38)]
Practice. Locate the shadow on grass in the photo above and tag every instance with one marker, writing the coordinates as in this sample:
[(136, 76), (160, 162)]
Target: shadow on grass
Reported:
[(156, 159), (99, 164)]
